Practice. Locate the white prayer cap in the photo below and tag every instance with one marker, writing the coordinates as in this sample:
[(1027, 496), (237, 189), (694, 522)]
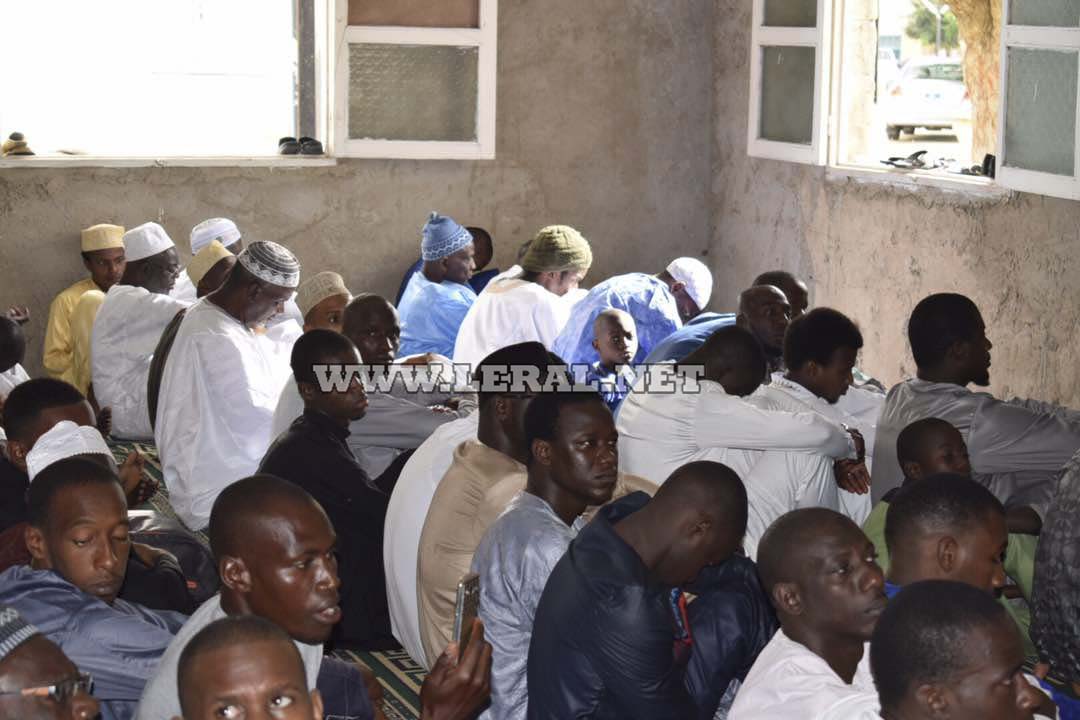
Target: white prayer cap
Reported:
[(316, 289), (223, 230), (271, 263), (65, 440), (145, 240), (693, 273)]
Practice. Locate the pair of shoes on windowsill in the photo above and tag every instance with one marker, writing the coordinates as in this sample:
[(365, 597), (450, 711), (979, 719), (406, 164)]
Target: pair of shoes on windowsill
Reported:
[(303, 146)]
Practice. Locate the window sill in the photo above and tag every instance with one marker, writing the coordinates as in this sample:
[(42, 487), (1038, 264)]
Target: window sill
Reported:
[(979, 187), (71, 161)]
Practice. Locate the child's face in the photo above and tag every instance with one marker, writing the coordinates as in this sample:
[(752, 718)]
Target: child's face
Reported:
[(945, 452), (615, 341)]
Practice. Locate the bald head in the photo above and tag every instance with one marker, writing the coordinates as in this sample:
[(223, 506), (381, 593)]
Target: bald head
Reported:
[(789, 543), (793, 288), (765, 311), (244, 514), (706, 489)]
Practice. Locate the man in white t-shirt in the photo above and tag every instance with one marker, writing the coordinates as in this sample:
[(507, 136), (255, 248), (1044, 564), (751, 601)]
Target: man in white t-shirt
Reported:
[(820, 572)]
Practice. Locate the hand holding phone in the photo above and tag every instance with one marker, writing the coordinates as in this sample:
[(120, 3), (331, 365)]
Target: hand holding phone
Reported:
[(466, 609)]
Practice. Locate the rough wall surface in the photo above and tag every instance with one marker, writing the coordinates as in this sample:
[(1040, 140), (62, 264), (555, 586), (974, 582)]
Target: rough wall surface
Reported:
[(603, 115), (874, 250)]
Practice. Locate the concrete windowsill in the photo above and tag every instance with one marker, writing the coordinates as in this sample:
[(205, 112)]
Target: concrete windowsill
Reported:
[(980, 187), (70, 161)]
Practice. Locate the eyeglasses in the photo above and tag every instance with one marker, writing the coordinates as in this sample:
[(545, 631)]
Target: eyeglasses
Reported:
[(61, 692)]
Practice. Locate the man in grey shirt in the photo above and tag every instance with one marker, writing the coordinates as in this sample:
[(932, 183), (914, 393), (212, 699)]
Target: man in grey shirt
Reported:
[(573, 464), (1017, 447)]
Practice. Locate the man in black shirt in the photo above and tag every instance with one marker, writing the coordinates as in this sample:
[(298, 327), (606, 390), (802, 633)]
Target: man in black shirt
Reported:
[(611, 636), (313, 454)]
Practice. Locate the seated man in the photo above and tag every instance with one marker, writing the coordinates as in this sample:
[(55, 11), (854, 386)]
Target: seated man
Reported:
[(485, 474), (78, 538), (931, 447), (128, 326), (615, 341), (765, 311), (222, 376), (37, 681), (207, 271), (485, 253), (215, 230), (946, 527), (1017, 447), (103, 257), (819, 570), (572, 464), (313, 454), (659, 305), (945, 650), (275, 551), (396, 420), (820, 348), (705, 418), (438, 297), (405, 516), (794, 289), (526, 303), (611, 637), (322, 299)]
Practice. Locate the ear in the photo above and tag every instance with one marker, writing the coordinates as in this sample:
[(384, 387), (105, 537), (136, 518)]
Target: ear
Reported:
[(786, 597), (933, 700), (541, 451), (307, 390), (16, 450), (948, 551), (677, 286), (316, 705), (234, 574), (35, 544), (912, 470), (86, 263), (253, 290), (596, 345)]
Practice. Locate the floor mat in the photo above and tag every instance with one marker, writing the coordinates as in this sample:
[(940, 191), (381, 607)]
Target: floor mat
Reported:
[(400, 677)]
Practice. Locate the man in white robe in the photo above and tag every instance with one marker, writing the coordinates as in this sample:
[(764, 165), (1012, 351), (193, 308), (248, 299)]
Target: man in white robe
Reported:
[(128, 326), (526, 303), (668, 421), (820, 349), (221, 229), (1017, 447), (222, 381)]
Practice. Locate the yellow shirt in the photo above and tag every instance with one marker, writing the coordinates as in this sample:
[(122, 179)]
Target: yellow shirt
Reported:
[(82, 322), (57, 354)]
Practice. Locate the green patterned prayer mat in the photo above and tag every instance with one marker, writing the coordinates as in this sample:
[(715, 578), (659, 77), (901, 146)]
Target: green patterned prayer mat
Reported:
[(400, 677)]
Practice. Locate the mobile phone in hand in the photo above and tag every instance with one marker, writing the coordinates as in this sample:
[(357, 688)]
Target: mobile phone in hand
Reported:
[(466, 608)]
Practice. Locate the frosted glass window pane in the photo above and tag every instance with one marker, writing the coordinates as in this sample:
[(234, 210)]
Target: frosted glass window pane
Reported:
[(1040, 114), (415, 13), (412, 92), (1059, 13), (791, 13), (787, 94)]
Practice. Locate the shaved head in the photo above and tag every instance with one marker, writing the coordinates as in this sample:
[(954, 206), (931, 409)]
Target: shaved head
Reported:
[(794, 288), (707, 488), (363, 306), (612, 315), (372, 323), (244, 512), (733, 357), (753, 297), (788, 543)]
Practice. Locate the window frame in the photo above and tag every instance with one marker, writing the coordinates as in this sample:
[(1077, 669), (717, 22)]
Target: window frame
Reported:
[(1036, 38), (484, 38), (817, 37)]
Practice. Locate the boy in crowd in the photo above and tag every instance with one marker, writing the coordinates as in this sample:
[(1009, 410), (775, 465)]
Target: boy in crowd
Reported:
[(615, 339)]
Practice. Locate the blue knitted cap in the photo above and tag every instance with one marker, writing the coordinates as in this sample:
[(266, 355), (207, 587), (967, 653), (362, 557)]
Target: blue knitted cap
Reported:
[(442, 237)]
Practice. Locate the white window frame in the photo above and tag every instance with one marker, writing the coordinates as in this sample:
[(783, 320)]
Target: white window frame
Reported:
[(1040, 38), (816, 37), (484, 38)]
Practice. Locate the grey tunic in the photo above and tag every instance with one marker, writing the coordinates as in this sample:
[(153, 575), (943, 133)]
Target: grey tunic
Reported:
[(514, 560)]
